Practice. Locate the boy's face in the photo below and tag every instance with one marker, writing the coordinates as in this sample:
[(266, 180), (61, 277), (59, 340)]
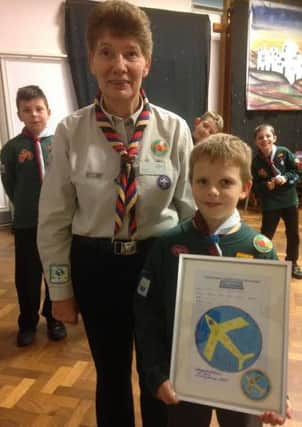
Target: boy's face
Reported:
[(34, 114), (203, 128), (217, 187), (264, 141)]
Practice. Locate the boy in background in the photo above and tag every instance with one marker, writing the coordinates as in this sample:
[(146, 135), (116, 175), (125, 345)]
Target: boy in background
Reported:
[(275, 178), (206, 125), (23, 163), (220, 175)]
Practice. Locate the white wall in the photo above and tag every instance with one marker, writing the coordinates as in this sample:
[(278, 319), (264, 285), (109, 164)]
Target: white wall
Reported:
[(36, 27)]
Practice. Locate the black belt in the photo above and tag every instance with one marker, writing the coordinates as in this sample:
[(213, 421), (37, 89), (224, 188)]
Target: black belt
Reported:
[(115, 247)]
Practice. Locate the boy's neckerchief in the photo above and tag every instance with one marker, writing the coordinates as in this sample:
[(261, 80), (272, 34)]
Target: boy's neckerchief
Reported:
[(213, 238), (127, 186), (38, 152), (269, 160)]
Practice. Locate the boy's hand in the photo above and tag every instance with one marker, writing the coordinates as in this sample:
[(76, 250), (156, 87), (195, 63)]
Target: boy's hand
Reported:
[(279, 180), (166, 393), (275, 419), (66, 311), (270, 185)]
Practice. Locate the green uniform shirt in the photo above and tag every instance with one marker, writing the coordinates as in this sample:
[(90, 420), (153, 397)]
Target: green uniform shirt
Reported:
[(156, 292), (282, 196), (20, 177)]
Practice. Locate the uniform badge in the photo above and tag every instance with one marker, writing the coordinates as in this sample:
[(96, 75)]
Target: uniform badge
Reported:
[(25, 155), (160, 148), (262, 173), (58, 273), (179, 249), (262, 244), (164, 182), (143, 286)]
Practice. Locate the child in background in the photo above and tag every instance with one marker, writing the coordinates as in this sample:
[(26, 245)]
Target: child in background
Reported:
[(23, 162), (206, 125), (275, 178), (220, 175)]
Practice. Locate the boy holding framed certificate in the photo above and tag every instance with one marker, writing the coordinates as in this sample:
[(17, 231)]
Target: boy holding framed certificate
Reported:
[(220, 175)]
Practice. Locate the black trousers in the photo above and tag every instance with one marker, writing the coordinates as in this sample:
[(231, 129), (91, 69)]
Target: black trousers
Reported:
[(193, 415), (104, 286), (28, 278), (290, 216)]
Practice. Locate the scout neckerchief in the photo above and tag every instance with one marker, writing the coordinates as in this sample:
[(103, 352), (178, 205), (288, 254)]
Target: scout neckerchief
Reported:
[(270, 161), (38, 152), (127, 191), (213, 238)]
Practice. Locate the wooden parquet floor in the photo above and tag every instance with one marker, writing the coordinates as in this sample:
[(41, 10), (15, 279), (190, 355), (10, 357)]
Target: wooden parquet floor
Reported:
[(52, 384)]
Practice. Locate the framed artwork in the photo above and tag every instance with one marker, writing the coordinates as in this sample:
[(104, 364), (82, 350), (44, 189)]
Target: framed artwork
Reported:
[(209, 4), (230, 339), (274, 57)]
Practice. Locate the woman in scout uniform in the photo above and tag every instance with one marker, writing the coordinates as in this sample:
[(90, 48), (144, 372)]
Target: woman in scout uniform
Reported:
[(118, 178), (275, 178)]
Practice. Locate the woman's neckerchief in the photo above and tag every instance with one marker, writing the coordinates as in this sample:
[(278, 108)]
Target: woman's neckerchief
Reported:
[(127, 186), (213, 238)]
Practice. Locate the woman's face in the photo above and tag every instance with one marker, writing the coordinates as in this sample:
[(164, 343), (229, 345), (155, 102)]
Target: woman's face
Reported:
[(119, 67)]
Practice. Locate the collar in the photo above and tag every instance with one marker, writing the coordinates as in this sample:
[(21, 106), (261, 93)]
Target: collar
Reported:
[(133, 116)]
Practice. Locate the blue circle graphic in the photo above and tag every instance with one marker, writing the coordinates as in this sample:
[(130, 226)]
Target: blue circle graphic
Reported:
[(255, 384), (228, 338)]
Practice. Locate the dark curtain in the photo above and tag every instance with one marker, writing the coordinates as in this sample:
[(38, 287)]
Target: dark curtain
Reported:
[(288, 124), (178, 79)]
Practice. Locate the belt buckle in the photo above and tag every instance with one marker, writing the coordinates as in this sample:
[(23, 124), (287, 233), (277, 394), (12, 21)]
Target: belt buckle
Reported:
[(124, 248)]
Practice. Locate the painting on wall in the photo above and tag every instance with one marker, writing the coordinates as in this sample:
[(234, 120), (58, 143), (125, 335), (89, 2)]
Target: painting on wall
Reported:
[(274, 57), (209, 4)]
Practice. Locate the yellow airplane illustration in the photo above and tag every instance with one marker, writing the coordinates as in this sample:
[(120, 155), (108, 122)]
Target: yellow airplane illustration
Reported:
[(253, 384), (218, 333)]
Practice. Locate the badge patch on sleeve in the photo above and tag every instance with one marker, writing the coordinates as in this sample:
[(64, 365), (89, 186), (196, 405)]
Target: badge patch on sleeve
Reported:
[(143, 286), (58, 273), (262, 244)]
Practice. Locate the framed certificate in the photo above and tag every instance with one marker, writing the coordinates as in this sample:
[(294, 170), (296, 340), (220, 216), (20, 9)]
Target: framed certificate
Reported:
[(231, 333)]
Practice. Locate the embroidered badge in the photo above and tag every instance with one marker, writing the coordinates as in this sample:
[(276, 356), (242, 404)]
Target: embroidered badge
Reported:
[(164, 182), (255, 384), (179, 249), (262, 244), (58, 273), (143, 287), (160, 148), (25, 155), (262, 172), (244, 255)]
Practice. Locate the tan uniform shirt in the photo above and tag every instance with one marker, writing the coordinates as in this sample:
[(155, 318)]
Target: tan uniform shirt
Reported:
[(79, 191)]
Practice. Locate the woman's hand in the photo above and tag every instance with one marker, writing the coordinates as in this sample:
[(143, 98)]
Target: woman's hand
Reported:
[(66, 311), (166, 393), (275, 419)]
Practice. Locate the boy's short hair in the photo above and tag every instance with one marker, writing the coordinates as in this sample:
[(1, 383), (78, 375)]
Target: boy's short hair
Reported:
[(217, 118), (225, 147), (264, 126), (27, 93), (121, 19)]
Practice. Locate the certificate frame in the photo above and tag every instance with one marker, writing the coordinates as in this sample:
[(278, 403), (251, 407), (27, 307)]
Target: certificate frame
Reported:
[(230, 338)]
